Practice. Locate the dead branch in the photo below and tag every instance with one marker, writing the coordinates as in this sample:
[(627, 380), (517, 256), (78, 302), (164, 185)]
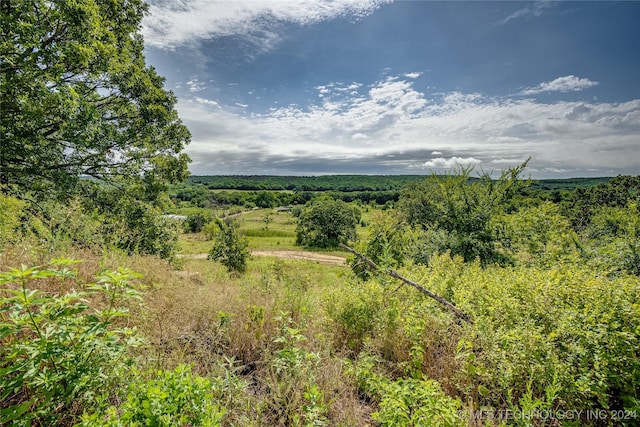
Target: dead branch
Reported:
[(373, 266)]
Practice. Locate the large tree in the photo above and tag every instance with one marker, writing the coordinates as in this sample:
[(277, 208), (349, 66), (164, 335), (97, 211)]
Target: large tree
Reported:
[(77, 99), (327, 223)]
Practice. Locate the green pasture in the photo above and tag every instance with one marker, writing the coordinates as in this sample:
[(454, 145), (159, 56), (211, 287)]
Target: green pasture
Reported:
[(269, 229)]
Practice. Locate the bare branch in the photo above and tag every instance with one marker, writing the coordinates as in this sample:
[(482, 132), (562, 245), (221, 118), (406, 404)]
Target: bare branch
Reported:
[(373, 266)]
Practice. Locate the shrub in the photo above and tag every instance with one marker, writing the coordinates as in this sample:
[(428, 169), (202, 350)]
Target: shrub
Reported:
[(171, 398), (58, 354), (11, 209), (407, 401), (387, 245), (458, 212), (230, 247), (195, 223), (138, 227)]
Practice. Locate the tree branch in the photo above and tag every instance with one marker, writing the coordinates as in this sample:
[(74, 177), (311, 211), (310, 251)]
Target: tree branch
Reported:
[(373, 266)]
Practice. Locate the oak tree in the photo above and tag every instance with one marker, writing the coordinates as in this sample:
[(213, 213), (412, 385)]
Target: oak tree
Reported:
[(77, 99)]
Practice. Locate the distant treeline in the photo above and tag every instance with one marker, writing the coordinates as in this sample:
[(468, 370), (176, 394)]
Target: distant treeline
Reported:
[(343, 183), (269, 191), (353, 183)]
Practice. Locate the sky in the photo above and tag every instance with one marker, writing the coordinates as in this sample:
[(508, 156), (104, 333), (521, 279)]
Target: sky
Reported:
[(314, 87)]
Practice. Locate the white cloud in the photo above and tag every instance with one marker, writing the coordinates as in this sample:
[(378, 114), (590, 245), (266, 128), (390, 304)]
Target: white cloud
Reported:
[(562, 84), (195, 85), (450, 163), (537, 9), (173, 23), (205, 101), (413, 75), (392, 125)]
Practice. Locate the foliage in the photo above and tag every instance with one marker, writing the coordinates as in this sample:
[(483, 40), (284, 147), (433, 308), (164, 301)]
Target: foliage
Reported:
[(230, 246), (613, 239), (580, 204), (351, 183), (78, 99), (126, 222), (58, 354), (297, 399), (565, 328), (356, 313), (387, 244), (197, 220), (537, 235), (11, 209), (407, 401), (326, 223), (169, 398), (458, 212)]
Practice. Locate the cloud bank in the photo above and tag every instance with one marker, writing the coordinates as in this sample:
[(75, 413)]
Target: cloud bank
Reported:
[(390, 127), (172, 23)]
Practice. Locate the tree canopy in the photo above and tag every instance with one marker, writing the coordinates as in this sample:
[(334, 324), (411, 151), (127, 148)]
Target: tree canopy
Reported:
[(327, 223), (77, 98)]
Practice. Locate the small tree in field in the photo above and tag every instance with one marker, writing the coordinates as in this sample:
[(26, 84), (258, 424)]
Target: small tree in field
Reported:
[(327, 223), (230, 247)]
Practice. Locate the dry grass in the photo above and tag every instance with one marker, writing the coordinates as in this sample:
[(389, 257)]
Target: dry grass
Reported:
[(202, 316)]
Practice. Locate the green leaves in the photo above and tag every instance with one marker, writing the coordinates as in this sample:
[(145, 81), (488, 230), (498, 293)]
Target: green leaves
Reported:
[(78, 98), (169, 398), (57, 352), (454, 213), (327, 223), (230, 247)]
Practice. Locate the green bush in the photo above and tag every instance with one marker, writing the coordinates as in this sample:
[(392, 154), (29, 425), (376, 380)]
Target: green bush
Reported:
[(11, 210), (567, 329), (457, 212), (230, 247), (612, 239), (58, 354), (387, 245), (407, 401), (537, 235), (139, 228), (170, 398)]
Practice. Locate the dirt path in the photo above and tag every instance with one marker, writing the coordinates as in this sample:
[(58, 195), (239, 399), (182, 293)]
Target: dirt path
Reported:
[(303, 255)]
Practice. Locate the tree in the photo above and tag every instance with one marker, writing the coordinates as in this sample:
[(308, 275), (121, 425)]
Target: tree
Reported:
[(327, 223), (230, 247), (77, 98), (454, 213)]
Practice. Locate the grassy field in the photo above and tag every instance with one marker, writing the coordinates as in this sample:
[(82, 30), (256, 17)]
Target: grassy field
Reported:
[(267, 230)]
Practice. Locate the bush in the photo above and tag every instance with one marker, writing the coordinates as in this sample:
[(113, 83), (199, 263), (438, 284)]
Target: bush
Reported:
[(172, 398), (458, 212), (59, 355), (195, 223), (569, 331), (407, 401), (230, 247), (613, 239), (387, 245), (11, 209)]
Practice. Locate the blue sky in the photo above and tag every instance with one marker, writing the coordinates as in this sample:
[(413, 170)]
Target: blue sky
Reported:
[(312, 87)]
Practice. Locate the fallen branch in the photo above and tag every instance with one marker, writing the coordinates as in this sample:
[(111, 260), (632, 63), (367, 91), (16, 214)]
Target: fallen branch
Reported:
[(373, 266)]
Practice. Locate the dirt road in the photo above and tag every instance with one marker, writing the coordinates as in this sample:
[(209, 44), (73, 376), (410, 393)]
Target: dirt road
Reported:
[(303, 255)]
